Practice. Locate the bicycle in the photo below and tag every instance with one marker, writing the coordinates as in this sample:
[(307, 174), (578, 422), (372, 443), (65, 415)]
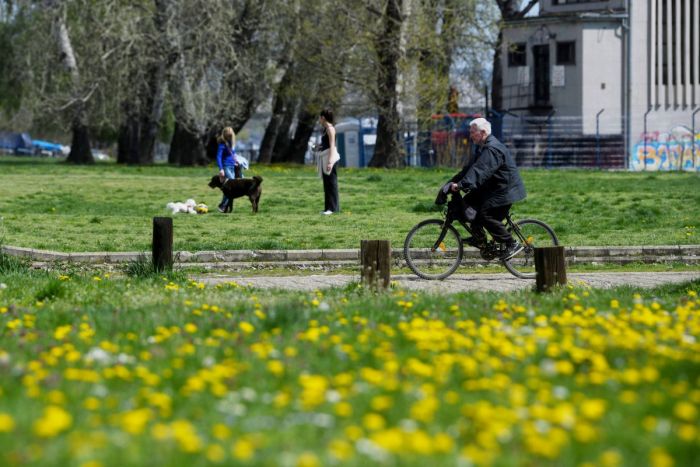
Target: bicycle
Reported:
[(434, 249)]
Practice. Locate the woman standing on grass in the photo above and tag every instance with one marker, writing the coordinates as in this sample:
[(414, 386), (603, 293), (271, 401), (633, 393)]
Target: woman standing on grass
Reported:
[(327, 161), (229, 167)]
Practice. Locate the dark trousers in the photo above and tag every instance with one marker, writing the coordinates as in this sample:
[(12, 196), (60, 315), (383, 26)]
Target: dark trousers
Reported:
[(330, 190), (492, 220)]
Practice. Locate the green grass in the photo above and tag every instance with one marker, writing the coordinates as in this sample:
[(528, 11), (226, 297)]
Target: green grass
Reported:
[(148, 370), (50, 205)]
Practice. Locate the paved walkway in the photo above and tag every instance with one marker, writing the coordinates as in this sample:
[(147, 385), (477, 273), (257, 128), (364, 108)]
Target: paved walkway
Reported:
[(501, 282)]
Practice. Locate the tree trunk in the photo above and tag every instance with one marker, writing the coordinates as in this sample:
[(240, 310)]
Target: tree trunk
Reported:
[(128, 140), (510, 9), (141, 130), (283, 140), (497, 77), (186, 147), (296, 152), (387, 152), (80, 152), (279, 109)]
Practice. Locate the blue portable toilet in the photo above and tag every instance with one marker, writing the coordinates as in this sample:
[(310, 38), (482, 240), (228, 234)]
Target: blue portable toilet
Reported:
[(355, 139)]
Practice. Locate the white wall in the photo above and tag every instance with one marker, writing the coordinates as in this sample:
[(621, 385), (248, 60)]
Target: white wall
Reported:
[(670, 110), (567, 99), (602, 84)]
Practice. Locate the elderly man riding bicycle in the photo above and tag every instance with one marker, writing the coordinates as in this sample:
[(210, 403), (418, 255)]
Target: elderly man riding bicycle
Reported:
[(492, 184)]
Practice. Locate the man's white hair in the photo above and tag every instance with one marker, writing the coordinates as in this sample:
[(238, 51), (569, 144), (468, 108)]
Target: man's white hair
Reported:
[(481, 124)]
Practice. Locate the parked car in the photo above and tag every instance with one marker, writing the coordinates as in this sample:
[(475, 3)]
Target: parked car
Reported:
[(99, 155), (47, 148)]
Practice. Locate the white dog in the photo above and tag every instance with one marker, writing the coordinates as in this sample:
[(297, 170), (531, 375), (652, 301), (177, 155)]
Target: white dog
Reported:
[(188, 206)]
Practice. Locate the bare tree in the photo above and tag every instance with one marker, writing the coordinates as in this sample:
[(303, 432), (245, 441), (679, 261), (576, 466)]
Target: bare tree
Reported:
[(510, 9), (143, 108), (387, 151)]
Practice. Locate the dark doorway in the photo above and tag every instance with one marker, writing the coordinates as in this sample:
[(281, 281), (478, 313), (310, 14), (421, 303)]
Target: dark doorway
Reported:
[(541, 59)]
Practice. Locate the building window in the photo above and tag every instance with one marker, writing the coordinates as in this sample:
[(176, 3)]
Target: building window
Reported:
[(517, 55), (566, 53)]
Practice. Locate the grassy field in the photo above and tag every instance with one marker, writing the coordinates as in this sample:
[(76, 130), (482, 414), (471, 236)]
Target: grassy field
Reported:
[(105, 371), (50, 205)]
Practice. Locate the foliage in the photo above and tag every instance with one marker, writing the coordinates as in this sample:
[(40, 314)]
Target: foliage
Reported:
[(108, 371), (142, 268), (11, 264), (110, 208), (209, 64)]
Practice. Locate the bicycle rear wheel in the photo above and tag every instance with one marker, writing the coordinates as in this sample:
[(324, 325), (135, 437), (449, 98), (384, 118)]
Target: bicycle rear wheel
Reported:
[(433, 251), (532, 233)]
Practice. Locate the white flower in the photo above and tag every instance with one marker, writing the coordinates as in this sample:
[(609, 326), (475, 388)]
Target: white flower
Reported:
[(125, 358), (98, 355)]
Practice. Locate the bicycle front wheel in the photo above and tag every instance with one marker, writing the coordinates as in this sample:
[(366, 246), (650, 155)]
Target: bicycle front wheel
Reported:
[(433, 250), (531, 233)]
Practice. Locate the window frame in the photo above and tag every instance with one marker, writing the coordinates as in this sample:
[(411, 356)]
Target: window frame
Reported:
[(519, 50), (572, 59)]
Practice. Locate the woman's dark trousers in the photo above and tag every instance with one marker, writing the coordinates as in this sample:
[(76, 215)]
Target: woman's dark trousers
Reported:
[(330, 190)]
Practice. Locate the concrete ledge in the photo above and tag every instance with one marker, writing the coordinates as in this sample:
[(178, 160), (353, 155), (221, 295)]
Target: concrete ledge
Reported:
[(689, 254)]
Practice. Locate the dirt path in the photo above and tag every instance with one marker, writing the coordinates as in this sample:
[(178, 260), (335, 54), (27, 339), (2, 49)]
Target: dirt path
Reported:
[(459, 282)]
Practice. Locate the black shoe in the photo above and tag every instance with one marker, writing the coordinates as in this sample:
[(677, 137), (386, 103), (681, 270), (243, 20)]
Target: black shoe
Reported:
[(511, 250), (475, 242)]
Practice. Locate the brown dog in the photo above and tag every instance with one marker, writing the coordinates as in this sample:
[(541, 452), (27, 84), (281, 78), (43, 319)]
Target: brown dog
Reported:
[(239, 187)]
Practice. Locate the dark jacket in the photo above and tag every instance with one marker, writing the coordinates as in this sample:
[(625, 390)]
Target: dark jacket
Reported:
[(491, 177)]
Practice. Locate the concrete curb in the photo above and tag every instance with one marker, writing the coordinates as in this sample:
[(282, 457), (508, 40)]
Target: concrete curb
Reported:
[(688, 254)]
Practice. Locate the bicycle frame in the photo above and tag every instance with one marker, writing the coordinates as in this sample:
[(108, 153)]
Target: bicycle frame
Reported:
[(450, 219)]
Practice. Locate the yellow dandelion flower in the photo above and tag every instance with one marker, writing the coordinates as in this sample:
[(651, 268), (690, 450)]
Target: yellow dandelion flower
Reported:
[(7, 423), (53, 421), (190, 328), (161, 431), (221, 431), (585, 433), (353, 432), (215, 453), (91, 403), (246, 327), (380, 403), (593, 409), (658, 457), (308, 459), (134, 421), (685, 411), (275, 367), (610, 458), (243, 449), (61, 332), (343, 409), (340, 449), (687, 432), (373, 421)]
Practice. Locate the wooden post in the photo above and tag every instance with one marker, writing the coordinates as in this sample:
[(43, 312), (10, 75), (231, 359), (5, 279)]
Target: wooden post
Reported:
[(375, 257), (550, 267), (162, 252)]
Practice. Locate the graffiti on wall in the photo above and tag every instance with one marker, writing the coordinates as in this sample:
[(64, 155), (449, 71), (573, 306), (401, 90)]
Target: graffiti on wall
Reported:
[(667, 151)]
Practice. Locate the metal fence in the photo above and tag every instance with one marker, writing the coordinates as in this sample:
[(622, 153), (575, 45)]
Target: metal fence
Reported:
[(548, 141)]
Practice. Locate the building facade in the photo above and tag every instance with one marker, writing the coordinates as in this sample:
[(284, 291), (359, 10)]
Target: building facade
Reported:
[(619, 71)]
